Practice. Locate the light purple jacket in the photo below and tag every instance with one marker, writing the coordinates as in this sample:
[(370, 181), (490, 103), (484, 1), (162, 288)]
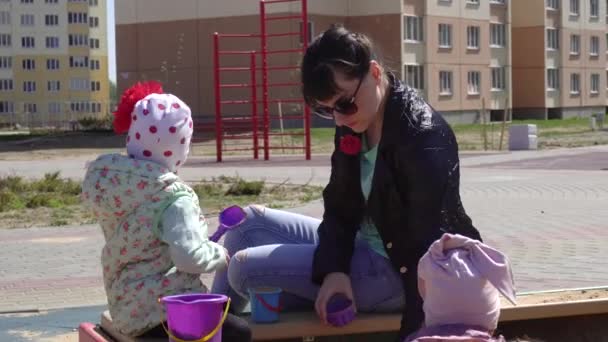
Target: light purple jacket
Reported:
[(452, 332)]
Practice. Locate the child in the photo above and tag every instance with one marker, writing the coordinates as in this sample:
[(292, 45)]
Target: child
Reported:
[(459, 281), (156, 238)]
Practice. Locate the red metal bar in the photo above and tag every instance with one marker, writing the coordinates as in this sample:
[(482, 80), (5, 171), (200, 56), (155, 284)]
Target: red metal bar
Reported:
[(288, 147), (281, 67), (234, 52), (237, 137), (237, 102), (285, 34), (237, 149), (286, 84), (286, 17), (238, 35), (234, 68), (277, 1), (286, 100), (254, 106), (218, 107), (304, 48), (235, 85), (270, 52), (264, 48)]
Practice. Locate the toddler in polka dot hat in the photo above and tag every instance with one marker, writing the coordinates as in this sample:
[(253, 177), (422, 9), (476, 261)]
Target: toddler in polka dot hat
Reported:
[(156, 238), (159, 126)]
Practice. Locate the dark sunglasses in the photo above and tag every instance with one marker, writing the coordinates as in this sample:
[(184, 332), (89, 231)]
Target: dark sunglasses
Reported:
[(342, 106)]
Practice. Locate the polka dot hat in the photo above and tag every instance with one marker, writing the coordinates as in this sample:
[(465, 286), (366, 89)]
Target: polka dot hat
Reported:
[(159, 126)]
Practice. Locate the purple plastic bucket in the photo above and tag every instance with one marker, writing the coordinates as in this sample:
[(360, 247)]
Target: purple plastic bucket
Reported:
[(196, 316), (229, 218)]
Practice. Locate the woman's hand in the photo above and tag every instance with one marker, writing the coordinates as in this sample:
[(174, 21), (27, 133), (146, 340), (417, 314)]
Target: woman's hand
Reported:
[(333, 283)]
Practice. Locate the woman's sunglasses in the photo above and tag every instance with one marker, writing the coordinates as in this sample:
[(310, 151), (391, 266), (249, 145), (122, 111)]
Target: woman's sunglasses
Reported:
[(342, 106)]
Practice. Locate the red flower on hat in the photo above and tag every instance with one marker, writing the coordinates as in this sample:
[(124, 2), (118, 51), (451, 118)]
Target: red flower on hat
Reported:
[(122, 115), (350, 144)]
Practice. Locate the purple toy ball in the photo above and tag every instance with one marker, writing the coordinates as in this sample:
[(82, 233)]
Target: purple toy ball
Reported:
[(229, 218), (340, 311)]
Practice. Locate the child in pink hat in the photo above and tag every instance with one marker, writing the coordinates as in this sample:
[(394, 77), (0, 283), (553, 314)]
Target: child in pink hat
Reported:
[(460, 280), (156, 240)]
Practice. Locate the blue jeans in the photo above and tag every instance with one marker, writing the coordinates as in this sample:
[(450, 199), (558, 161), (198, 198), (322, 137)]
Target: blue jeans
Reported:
[(275, 248)]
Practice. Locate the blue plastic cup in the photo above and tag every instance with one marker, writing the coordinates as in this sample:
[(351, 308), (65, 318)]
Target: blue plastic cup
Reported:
[(265, 304)]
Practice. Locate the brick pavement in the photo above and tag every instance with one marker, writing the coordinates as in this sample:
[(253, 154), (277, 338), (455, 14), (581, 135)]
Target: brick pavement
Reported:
[(552, 223)]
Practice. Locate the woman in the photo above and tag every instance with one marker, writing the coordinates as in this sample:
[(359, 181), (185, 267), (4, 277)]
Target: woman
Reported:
[(393, 190)]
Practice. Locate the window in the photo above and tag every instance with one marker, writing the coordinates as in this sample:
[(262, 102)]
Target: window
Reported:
[(6, 62), (6, 84), (27, 20), (53, 86), (473, 2), (413, 28), (501, 2), (52, 42), (52, 64), (28, 64), (78, 40), (5, 40), (94, 63), (553, 4), (28, 42), (473, 37), (79, 62), (27, 1), (575, 44), (552, 79), (82, 107), (51, 20), (50, 1), (5, 18), (497, 35), (552, 39), (79, 84), (7, 107), (54, 107), (414, 76), (574, 7), (309, 31), (95, 86), (96, 107), (498, 78), (594, 8), (94, 22), (575, 83), (445, 83), (94, 43), (93, 3), (474, 82), (445, 35), (77, 18), (29, 86), (30, 108), (594, 49), (595, 83)]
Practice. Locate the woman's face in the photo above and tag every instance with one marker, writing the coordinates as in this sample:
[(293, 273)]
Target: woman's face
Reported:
[(367, 98)]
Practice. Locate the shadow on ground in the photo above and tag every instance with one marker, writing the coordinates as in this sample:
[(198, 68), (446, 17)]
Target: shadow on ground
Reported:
[(46, 325)]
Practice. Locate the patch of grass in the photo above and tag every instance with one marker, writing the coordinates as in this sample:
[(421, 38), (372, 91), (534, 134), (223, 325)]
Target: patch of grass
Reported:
[(10, 201), (245, 188)]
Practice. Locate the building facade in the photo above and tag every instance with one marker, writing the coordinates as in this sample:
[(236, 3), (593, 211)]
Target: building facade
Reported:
[(559, 58), (53, 61), (456, 53)]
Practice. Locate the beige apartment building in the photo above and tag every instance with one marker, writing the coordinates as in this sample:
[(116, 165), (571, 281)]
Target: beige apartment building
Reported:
[(53, 61), (559, 58), (456, 52)]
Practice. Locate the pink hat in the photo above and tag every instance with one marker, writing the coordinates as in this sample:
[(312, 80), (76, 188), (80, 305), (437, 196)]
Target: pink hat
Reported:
[(460, 282), (159, 125)]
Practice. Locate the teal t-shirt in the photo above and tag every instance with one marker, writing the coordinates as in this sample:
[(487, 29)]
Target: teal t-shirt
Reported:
[(368, 230)]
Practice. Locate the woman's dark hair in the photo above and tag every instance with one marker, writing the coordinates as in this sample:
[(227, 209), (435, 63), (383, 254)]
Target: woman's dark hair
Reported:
[(335, 50)]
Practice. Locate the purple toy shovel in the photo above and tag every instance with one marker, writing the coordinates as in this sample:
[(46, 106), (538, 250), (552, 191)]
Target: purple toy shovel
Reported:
[(229, 218)]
